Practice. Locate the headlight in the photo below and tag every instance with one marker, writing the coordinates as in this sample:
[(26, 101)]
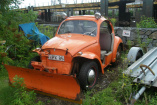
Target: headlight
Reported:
[(79, 53), (64, 15), (97, 15), (38, 48)]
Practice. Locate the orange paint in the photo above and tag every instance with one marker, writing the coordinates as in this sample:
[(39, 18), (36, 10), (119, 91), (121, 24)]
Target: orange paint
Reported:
[(53, 76), (65, 86)]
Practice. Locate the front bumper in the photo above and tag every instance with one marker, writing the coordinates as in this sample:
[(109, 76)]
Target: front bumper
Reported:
[(53, 66)]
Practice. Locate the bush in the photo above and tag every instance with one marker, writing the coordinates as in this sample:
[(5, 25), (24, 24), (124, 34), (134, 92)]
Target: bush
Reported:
[(21, 96), (146, 22), (113, 21), (10, 18)]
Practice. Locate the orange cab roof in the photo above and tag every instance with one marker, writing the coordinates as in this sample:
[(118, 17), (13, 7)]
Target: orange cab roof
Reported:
[(83, 17)]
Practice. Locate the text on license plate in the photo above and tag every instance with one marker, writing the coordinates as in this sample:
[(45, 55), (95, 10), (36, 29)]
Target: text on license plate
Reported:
[(56, 57)]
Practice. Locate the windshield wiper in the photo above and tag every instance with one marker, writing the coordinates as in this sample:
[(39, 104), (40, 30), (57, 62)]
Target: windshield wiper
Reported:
[(90, 33)]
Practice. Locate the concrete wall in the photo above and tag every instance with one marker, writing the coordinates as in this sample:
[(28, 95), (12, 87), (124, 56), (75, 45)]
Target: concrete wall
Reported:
[(148, 36)]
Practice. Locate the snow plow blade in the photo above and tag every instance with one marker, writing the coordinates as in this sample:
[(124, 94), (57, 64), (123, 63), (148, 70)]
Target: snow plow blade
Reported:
[(55, 84)]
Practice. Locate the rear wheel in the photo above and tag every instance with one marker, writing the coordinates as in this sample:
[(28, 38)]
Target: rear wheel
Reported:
[(37, 58), (88, 75), (118, 55)]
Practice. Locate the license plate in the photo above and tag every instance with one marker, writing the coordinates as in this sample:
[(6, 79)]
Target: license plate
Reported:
[(56, 57)]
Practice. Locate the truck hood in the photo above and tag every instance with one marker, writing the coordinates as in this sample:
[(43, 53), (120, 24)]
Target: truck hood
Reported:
[(73, 43)]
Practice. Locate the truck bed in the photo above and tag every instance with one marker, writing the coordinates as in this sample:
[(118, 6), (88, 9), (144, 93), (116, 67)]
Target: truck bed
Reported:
[(147, 78)]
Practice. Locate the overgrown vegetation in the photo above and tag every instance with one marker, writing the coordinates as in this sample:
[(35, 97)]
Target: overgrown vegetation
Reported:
[(113, 21), (117, 93), (146, 22), (9, 20), (121, 90), (17, 95), (47, 30), (19, 52)]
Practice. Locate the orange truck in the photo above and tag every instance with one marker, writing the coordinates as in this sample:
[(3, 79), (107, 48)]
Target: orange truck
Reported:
[(72, 60)]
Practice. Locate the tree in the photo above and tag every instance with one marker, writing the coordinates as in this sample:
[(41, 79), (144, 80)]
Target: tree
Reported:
[(10, 18)]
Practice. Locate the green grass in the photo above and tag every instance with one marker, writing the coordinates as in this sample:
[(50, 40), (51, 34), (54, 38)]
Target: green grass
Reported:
[(6, 91), (112, 95), (16, 95), (118, 92), (104, 97), (8, 94)]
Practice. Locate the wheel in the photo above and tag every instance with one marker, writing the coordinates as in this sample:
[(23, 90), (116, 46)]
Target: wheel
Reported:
[(88, 75), (118, 55), (37, 58), (134, 54)]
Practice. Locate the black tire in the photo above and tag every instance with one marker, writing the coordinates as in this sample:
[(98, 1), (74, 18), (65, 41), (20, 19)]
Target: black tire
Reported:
[(139, 55), (88, 82), (37, 58)]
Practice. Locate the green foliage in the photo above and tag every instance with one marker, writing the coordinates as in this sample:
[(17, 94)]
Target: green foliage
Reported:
[(91, 12), (153, 100), (146, 22), (47, 30), (113, 21), (115, 13), (19, 54), (9, 21), (5, 5), (104, 97), (16, 95), (119, 91), (21, 96), (131, 12), (19, 49), (3, 56), (7, 94)]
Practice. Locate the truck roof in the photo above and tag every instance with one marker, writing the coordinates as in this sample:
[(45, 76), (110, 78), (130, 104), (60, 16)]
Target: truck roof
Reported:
[(83, 17)]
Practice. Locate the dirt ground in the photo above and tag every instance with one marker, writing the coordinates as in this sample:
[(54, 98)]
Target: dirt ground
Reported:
[(104, 80)]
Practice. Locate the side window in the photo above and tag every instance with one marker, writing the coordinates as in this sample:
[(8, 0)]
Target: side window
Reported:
[(105, 27)]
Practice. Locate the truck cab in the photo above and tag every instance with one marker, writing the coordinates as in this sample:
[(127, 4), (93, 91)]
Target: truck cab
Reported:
[(82, 47)]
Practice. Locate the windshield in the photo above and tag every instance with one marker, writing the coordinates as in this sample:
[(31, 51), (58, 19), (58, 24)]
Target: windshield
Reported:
[(79, 27)]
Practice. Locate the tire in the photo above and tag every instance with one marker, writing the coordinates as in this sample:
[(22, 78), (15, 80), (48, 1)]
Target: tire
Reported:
[(139, 55), (37, 58), (134, 54), (88, 75), (118, 55)]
